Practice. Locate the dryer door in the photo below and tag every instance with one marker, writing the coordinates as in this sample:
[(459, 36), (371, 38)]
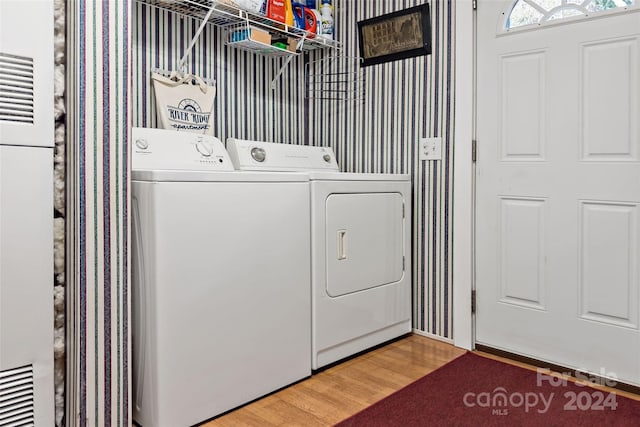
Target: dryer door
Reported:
[(364, 241)]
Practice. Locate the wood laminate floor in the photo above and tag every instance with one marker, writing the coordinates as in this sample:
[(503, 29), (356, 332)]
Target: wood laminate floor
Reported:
[(340, 391)]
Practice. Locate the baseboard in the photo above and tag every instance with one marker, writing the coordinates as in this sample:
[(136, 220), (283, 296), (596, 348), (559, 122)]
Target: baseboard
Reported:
[(432, 336)]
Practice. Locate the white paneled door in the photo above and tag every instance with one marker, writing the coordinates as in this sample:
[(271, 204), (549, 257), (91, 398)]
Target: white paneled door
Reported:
[(558, 190)]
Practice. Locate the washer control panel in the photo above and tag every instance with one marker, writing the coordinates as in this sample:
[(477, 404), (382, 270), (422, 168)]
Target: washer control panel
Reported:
[(163, 149), (269, 156)]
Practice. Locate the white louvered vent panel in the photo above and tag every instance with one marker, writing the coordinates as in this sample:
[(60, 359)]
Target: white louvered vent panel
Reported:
[(16, 397), (16, 89)]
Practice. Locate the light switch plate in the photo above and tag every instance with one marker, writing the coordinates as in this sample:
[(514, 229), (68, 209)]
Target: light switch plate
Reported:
[(430, 149)]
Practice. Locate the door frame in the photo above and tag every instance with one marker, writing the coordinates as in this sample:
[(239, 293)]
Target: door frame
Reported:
[(463, 193)]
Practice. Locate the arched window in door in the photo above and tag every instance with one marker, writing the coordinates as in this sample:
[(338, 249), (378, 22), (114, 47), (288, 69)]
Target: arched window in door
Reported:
[(536, 12)]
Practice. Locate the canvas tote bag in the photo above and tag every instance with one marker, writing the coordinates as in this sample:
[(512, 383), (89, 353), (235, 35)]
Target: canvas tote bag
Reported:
[(184, 103)]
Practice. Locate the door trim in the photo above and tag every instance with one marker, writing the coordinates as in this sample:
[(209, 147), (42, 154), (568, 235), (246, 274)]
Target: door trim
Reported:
[(463, 176)]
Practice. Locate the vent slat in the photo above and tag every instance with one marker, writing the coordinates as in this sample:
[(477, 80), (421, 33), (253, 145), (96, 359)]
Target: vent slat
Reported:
[(7, 58), (14, 63), (11, 102), (16, 83), (10, 97), (17, 377), (13, 80), (16, 396), (14, 119), (24, 423), (14, 382), (14, 414), (13, 89), (8, 70), (17, 114), (16, 107), (18, 407), (15, 389), (17, 371), (27, 422)]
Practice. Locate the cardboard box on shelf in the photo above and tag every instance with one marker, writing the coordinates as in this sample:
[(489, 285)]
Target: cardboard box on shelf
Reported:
[(259, 35), (244, 33), (292, 44)]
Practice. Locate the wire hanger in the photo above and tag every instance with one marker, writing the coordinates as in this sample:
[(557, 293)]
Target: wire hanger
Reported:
[(182, 65)]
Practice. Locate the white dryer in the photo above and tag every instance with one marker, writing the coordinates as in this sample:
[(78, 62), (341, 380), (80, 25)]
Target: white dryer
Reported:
[(360, 247), (221, 266)]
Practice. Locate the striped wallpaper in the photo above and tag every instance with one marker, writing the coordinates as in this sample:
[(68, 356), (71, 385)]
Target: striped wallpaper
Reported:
[(404, 100), (98, 290)]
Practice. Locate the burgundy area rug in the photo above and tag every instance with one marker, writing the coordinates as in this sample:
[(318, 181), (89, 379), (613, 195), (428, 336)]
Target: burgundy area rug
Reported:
[(476, 391)]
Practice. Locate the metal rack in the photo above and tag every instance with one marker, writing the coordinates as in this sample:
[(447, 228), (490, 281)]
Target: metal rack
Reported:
[(335, 78), (224, 14)]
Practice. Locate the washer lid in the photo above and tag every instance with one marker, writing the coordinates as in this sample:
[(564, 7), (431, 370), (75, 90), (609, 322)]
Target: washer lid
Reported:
[(204, 176)]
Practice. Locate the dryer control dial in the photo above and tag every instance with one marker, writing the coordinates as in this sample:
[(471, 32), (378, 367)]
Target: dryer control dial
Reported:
[(203, 148), (142, 143), (326, 158), (258, 154)]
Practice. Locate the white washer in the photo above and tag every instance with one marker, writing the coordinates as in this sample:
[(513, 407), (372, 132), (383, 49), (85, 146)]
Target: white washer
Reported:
[(221, 301), (360, 247)]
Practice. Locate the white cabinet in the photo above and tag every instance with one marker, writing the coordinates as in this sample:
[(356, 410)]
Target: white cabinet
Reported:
[(26, 213), (26, 284)]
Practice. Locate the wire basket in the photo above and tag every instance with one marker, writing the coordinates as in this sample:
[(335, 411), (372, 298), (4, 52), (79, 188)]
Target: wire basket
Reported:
[(335, 78), (248, 37)]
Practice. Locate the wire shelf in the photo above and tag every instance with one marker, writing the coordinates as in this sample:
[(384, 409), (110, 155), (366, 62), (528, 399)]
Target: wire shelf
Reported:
[(224, 14)]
